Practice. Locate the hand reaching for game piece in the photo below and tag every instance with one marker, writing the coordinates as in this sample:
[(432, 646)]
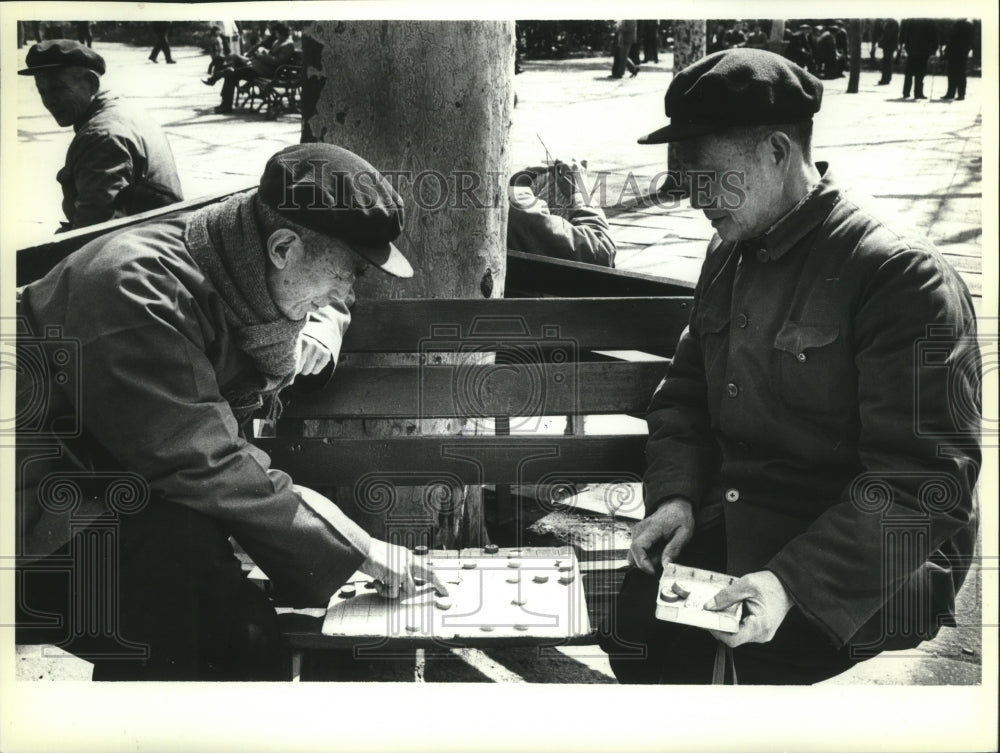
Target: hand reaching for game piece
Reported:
[(395, 567), (561, 184), (669, 527), (765, 604)]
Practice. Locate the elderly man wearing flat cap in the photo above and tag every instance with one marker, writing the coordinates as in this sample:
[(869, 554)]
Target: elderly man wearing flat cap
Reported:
[(119, 162), (187, 327), (817, 432)]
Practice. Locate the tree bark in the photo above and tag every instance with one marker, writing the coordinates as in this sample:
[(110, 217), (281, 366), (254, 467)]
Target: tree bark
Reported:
[(854, 47), (429, 105), (689, 46)]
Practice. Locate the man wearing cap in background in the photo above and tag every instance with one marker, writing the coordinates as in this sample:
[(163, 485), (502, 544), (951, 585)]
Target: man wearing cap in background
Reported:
[(798, 422), (187, 328), (119, 162)]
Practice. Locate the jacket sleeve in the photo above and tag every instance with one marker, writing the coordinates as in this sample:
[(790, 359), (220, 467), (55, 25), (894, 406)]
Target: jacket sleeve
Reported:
[(103, 165), (681, 452), (152, 399), (919, 371), (584, 235)]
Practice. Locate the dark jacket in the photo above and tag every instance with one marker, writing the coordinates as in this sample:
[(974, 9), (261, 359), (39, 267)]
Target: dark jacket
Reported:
[(134, 355), (116, 146), (825, 402), (890, 35), (919, 36), (960, 40)]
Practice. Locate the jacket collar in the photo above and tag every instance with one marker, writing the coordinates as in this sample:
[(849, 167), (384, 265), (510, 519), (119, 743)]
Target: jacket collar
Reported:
[(812, 210), (100, 100)]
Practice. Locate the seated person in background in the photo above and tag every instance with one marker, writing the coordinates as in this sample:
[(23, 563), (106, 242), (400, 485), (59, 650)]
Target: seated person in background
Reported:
[(115, 148), (548, 216), (261, 63)]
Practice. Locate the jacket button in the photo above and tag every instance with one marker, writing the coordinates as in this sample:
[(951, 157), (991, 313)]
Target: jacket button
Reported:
[(742, 320), (732, 390), (801, 357), (762, 254), (732, 495)]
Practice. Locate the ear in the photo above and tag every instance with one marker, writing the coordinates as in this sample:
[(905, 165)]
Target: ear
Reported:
[(280, 246), (779, 147), (93, 80)]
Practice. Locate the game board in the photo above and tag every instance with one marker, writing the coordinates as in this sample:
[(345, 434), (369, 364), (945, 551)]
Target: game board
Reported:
[(509, 593), (683, 593)]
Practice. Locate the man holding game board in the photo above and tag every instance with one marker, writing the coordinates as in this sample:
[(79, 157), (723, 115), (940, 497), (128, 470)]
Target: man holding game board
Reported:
[(817, 432)]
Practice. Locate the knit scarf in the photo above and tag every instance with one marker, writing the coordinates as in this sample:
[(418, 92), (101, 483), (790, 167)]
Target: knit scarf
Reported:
[(225, 241)]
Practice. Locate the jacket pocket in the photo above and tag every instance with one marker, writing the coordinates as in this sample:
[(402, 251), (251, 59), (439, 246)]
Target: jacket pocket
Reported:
[(813, 372)]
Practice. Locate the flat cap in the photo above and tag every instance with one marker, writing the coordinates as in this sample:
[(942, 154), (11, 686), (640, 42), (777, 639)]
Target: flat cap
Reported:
[(333, 191), (736, 88), (60, 53)]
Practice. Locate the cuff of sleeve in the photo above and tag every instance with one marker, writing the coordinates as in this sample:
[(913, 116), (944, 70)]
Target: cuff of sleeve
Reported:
[(835, 623)]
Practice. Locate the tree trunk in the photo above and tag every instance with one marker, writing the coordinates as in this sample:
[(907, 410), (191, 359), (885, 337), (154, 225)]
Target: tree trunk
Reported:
[(689, 46), (776, 39), (429, 105), (854, 48)]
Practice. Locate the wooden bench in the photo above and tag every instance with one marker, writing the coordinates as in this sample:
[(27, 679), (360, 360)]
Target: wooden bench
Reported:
[(272, 95)]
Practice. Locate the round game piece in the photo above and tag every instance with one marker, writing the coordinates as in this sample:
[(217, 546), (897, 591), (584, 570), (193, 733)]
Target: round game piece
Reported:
[(412, 629), (566, 579), (521, 627), (468, 565), (515, 578), (541, 579), (347, 592), (442, 603), (565, 568), (491, 549), (370, 585), (486, 628), (513, 563), (514, 553), (678, 589), (557, 563), (420, 550), (519, 602), (668, 596), (418, 581)]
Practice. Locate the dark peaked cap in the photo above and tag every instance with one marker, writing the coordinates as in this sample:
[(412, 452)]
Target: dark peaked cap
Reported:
[(61, 53), (736, 88), (333, 191)]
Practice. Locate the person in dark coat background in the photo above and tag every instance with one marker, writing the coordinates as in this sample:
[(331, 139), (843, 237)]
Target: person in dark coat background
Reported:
[(119, 161), (957, 55), (919, 37), (889, 42)]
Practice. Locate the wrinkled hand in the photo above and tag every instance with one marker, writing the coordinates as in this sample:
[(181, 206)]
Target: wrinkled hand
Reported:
[(311, 356), (670, 527), (395, 567), (765, 604)]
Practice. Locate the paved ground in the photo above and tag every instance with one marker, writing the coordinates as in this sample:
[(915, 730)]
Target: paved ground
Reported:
[(921, 159)]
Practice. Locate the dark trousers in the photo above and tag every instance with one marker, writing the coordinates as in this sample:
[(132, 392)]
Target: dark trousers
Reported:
[(153, 595), (644, 649), (916, 69), (887, 56), (230, 79), (956, 77), (161, 45)]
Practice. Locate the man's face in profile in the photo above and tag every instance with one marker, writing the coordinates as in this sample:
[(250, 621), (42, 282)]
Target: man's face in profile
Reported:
[(731, 181), (66, 93)]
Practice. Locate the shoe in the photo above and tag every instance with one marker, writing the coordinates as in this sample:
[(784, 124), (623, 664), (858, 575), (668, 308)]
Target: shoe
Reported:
[(153, 60), (635, 73), (221, 110), (882, 83), (948, 96), (960, 97), (919, 96), (208, 82), (171, 62)]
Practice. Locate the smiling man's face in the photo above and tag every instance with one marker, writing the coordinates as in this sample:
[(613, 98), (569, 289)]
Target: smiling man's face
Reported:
[(734, 182)]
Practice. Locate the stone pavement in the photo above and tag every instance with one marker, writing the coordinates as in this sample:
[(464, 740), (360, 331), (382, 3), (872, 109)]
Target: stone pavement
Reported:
[(920, 159)]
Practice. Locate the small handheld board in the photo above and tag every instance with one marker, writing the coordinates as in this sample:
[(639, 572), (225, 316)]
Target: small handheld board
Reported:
[(684, 592)]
